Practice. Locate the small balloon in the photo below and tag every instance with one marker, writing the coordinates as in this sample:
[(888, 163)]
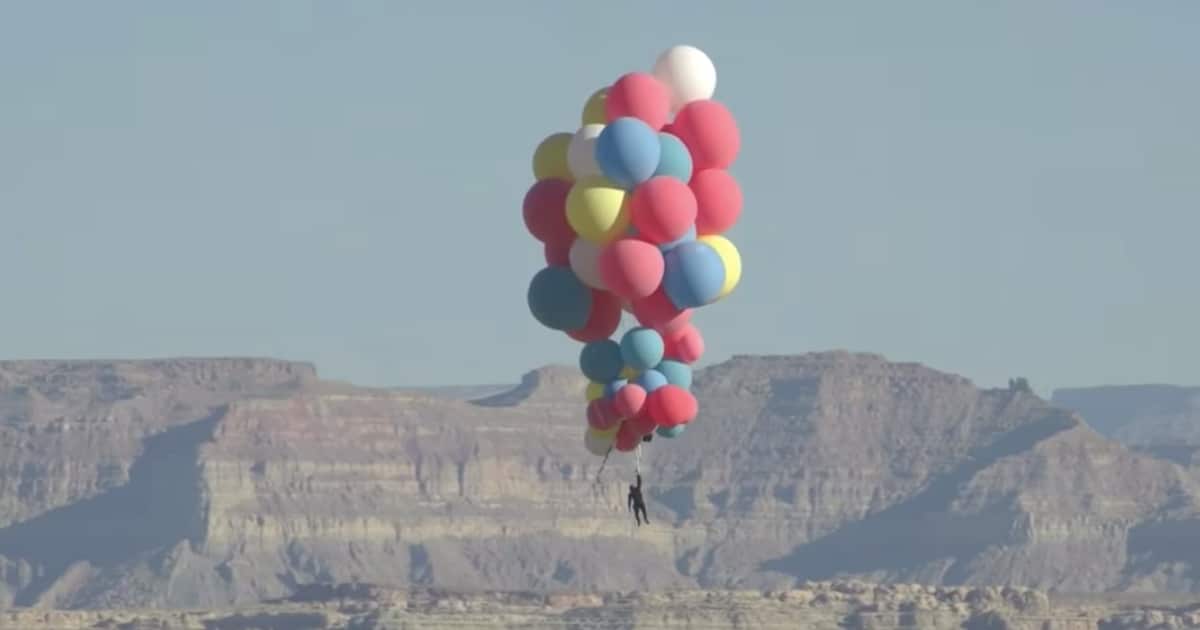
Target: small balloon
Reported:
[(677, 372), (671, 405), (584, 259), (601, 360), (730, 258), (686, 238), (639, 95), (631, 268), (658, 312), (663, 209), (593, 110), (651, 380), (629, 400), (671, 432), (642, 348), (674, 161), (550, 157), (613, 387), (557, 255), (581, 154), (710, 134), (629, 373), (545, 212), (627, 438), (599, 443), (694, 275), (603, 319), (628, 151), (601, 415), (718, 200), (593, 391), (558, 300), (596, 210), (688, 73), (684, 345), (641, 424)]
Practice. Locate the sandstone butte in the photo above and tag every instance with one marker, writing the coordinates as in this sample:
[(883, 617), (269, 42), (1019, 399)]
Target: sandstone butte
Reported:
[(214, 483)]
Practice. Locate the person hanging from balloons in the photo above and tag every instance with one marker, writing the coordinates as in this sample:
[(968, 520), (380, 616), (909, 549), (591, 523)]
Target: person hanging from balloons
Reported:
[(637, 503)]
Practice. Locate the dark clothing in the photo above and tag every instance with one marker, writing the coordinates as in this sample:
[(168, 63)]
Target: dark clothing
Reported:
[(637, 504)]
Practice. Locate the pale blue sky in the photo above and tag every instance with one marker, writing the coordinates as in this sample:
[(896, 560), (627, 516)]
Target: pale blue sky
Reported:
[(993, 189)]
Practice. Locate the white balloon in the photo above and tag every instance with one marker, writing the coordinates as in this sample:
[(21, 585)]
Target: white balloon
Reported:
[(688, 73), (584, 257), (597, 444), (581, 152)]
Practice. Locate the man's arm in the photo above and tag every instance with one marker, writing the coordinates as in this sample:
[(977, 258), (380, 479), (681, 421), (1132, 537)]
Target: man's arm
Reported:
[(629, 500)]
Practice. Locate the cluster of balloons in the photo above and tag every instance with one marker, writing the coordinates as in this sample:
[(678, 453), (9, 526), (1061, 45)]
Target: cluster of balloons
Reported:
[(631, 209)]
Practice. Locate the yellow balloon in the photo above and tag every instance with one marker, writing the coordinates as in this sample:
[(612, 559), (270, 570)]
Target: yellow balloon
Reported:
[(730, 257), (550, 158), (607, 433), (597, 211), (593, 110), (599, 443), (594, 390), (628, 373)]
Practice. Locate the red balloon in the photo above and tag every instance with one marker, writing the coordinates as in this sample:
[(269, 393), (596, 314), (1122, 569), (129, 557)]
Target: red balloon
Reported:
[(627, 439), (662, 209), (629, 399), (709, 132), (684, 344), (631, 268), (558, 255), (545, 210), (641, 96), (601, 416), (657, 311), (718, 201), (671, 405), (641, 424), (602, 322)]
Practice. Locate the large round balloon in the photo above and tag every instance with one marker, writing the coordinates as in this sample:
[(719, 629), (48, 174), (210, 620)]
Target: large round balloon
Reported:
[(718, 200), (557, 255), (663, 209), (731, 259), (631, 268), (658, 312), (675, 160), (628, 151), (596, 210), (642, 348), (671, 432), (694, 275), (599, 443), (593, 110), (628, 400), (545, 210), (639, 95), (550, 157), (627, 438), (584, 259), (688, 74), (684, 344), (710, 134), (651, 380), (677, 372), (558, 300), (686, 238), (603, 319), (581, 154), (671, 405), (601, 360)]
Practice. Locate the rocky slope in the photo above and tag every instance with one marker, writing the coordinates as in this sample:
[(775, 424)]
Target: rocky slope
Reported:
[(1163, 420), (212, 483)]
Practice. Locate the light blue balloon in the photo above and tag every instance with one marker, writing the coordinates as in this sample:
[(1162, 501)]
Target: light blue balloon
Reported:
[(676, 160), (627, 152), (671, 432), (651, 380), (694, 275), (677, 373), (642, 348), (613, 387), (686, 238), (601, 361), (558, 299)]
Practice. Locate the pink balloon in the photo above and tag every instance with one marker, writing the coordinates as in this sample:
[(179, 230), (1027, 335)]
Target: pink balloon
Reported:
[(631, 268), (600, 415), (641, 424), (558, 255), (657, 311), (718, 201), (709, 132), (628, 400), (671, 405), (641, 96), (545, 211), (684, 344), (603, 321), (627, 439), (663, 209)]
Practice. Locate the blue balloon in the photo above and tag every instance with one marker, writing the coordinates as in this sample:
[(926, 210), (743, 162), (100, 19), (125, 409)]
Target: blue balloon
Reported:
[(627, 152), (686, 238), (642, 348), (651, 380), (677, 373), (676, 160), (614, 386), (671, 432), (558, 299), (601, 361), (694, 275)]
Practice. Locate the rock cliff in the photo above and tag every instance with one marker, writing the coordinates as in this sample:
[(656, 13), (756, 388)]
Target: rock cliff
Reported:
[(208, 483)]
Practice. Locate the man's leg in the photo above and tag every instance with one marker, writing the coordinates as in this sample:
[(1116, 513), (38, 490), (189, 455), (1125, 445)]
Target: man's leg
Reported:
[(645, 516)]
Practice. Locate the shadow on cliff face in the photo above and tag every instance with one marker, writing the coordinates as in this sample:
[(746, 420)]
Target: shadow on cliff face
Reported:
[(155, 509), (920, 530)]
